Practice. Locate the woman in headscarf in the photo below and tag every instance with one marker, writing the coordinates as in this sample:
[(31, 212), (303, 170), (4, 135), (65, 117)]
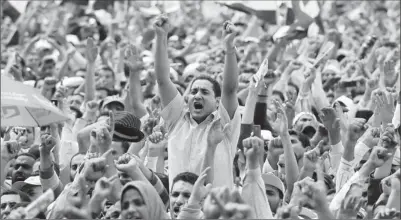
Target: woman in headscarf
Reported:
[(139, 200)]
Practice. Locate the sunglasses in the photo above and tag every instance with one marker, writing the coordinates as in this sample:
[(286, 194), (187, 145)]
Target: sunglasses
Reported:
[(9, 204)]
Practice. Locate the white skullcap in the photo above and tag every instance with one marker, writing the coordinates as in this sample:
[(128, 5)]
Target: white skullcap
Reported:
[(332, 65)]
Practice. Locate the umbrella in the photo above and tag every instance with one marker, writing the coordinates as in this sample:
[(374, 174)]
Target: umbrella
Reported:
[(22, 105)]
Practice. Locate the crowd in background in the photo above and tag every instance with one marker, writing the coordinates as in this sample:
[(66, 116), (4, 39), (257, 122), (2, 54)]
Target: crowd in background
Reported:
[(187, 112)]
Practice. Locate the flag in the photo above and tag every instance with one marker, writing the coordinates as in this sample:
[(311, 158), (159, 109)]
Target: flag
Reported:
[(264, 10), (277, 12), (14, 9)]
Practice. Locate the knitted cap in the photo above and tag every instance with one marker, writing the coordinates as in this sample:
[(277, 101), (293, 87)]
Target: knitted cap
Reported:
[(127, 127)]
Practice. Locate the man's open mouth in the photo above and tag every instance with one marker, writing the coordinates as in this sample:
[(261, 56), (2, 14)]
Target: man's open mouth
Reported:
[(176, 210), (19, 177), (309, 131), (198, 106)]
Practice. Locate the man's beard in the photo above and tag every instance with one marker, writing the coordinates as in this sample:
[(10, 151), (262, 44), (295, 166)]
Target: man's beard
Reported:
[(4, 216), (18, 177)]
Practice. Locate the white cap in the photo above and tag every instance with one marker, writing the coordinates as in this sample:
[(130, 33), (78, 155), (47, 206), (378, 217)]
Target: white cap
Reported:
[(72, 82), (32, 180), (332, 65), (273, 180)]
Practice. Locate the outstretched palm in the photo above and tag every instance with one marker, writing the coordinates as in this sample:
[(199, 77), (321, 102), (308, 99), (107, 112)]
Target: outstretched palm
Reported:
[(280, 125)]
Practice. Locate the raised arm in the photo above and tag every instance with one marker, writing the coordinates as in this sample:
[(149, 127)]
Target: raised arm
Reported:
[(303, 101), (91, 54), (135, 90), (230, 77), (254, 191), (167, 89), (48, 176), (280, 125)]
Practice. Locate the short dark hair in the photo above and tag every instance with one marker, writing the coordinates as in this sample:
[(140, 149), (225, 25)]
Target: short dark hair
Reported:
[(295, 86), (280, 94), (9, 192), (302, 138), (79, 153), (216, 85), (187, 177), (107, 68), (180, 59)]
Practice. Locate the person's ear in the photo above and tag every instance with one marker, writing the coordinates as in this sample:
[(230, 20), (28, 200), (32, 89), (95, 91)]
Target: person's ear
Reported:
[(218, 101)]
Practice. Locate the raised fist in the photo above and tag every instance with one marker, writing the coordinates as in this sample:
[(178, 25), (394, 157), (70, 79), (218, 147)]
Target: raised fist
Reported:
[(230, 33), (47, 143), (92, 106), (253, 147), (161, 25), (9, 149), (127, 163)]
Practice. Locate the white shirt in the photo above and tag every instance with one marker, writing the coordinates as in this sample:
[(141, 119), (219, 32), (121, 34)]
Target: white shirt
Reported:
[(344, 172), (187, 142)]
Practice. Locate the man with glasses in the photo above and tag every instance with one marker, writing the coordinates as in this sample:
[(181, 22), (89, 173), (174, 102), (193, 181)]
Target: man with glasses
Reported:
[(9, 201)]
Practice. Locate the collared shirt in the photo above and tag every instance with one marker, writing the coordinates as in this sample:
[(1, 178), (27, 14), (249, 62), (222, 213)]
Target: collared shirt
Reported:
[(187, 142), (335, 204)]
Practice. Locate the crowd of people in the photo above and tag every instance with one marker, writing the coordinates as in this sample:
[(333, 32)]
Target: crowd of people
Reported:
[(175, 114)]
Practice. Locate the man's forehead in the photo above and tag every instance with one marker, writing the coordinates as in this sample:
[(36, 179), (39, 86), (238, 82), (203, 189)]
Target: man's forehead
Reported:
[(306, 116), (181, 186), (10, 198), (202, 84), (25, 159)]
